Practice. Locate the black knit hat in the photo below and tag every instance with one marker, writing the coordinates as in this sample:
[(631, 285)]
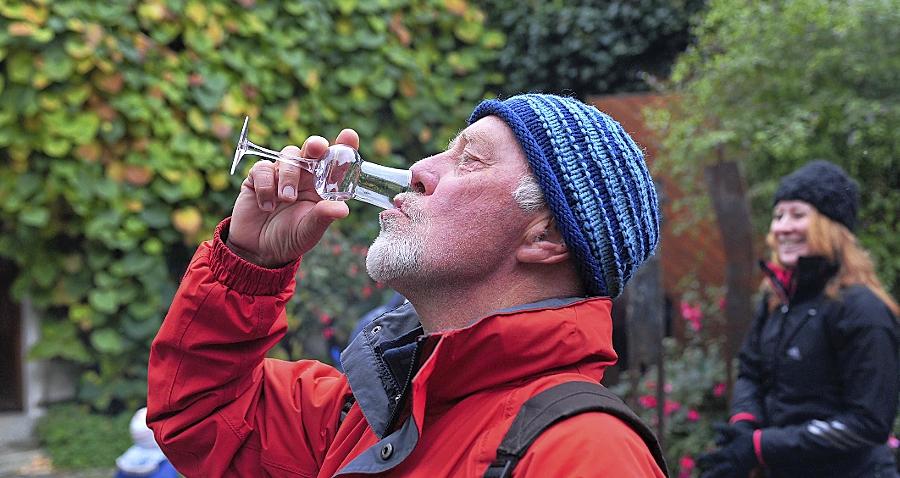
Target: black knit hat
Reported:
[(826, 187)]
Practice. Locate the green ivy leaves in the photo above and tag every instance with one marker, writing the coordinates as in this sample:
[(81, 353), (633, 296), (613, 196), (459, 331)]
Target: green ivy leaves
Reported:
[(118, 121)]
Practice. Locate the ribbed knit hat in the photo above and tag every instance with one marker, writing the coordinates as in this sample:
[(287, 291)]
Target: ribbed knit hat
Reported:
[(826, 187), (594, 181)]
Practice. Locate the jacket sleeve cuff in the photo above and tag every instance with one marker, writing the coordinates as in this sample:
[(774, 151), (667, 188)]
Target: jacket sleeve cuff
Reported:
[(757, 446), (242, 276), (742, 417)]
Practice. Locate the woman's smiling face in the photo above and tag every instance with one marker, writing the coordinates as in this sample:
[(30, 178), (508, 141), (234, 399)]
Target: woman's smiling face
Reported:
[(790, 228)]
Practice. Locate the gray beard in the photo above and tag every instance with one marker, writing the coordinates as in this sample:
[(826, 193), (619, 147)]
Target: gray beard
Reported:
[(393, 257), (397, 252)]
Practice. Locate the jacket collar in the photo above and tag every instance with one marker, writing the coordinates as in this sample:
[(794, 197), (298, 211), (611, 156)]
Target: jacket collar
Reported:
[(806, 280), (391, 357)]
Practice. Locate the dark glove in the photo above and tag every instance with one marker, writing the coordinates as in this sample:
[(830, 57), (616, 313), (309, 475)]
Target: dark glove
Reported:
[(733, 460), (726, 432)]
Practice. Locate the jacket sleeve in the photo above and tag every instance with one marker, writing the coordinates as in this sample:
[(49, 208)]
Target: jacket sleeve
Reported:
[(585, 446), (216, 405), (747, 400), (864, 336)]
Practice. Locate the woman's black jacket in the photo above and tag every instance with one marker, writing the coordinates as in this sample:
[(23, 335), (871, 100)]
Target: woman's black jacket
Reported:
[(820, 377)]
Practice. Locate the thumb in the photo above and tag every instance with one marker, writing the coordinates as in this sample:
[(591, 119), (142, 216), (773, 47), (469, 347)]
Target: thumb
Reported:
[(313, 225), (326, 212)]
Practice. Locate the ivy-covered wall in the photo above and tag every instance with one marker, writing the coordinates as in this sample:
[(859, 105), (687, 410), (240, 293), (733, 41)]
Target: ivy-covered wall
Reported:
[(118, 122)]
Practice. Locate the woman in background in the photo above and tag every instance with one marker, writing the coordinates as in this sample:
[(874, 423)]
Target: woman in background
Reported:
[(817, 387)]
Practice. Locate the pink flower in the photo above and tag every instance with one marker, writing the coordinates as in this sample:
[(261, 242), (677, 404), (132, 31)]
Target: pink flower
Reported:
[(685, 466), (692, 314), (647, 401), (719, 390), (667, 388), (328, 332), (693, 415), (366, 291), (670, 407), (893, 442), (722, 303), (324, 319)]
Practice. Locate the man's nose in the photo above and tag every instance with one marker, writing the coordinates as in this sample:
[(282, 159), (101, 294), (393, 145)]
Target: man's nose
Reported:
[(424, 177)]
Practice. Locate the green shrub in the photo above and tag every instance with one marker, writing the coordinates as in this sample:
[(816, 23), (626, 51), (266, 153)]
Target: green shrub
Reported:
[(76, 438), (334, 293), (118, 122), (694, 390), (589, 47), (774, 85)]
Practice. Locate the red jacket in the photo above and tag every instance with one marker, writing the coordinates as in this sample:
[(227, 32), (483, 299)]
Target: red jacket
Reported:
[(219, 408)]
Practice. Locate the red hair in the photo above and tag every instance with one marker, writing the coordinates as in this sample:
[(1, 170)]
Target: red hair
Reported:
[(836, 243)]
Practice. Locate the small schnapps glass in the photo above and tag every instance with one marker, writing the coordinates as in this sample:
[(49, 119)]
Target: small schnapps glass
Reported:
[(341, 174)]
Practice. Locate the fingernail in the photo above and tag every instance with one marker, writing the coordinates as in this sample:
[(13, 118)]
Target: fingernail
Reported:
[(268, 206), (289, 192)]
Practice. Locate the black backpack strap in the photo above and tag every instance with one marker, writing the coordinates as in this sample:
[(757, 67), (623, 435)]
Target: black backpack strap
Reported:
[(349, 400), (557, 403)]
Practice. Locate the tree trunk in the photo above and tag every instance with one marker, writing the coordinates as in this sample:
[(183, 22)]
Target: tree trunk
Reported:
[(729, 199), (645, 311)]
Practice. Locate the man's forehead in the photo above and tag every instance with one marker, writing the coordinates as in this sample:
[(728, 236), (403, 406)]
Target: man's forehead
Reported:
[(484, 132)]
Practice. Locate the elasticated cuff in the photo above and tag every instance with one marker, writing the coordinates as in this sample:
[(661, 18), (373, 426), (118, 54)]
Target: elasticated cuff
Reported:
[(757, 446), (245, 277), (742, 417)]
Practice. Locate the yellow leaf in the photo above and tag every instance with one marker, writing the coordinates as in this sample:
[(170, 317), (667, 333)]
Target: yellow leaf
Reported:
[(187, 220), (382, 146), (457, 7), (34, 14), (134, 205), (218, 180), (197, 13), (115, 170), (215, 33)]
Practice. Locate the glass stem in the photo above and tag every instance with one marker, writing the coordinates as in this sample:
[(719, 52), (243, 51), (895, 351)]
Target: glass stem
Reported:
[(305, 163)]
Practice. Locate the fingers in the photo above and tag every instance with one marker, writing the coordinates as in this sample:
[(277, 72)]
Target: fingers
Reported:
[(286, 182), (289, 175), (349, 137), (314, 147), (262, 180)]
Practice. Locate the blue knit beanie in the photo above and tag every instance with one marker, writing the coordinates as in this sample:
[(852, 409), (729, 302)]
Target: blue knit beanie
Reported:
[(594, 181)]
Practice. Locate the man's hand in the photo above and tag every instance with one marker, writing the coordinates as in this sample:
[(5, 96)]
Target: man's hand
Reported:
[(736, 457), (278, 216)]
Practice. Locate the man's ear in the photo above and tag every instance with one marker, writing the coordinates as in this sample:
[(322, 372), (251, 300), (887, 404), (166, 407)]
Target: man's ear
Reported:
[(542, 243)]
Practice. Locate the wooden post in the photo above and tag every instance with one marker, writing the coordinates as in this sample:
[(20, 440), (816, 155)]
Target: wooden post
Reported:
[(645, 310), (729, 200)]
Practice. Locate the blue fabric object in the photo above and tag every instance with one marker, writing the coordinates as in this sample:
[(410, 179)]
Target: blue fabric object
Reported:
[(163, 470), (594, 181)]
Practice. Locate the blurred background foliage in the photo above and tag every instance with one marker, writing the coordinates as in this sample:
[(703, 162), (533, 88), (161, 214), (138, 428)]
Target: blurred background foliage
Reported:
[(775, 84), (117, 124), (589, 47), (118, 121)]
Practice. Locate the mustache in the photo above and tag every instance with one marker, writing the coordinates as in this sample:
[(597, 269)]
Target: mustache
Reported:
[(409, 206)]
